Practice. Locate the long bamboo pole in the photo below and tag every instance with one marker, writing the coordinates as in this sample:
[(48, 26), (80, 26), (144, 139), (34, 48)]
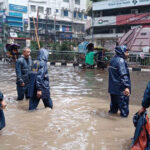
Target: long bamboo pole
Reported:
[(37, 38)]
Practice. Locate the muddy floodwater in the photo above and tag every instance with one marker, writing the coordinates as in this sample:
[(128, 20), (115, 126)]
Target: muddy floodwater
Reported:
[(79, 120)]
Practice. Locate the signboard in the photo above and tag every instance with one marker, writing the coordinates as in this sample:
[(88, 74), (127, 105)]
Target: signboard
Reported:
[(38, 1), (13, 34), (133, 19), (14, 14), (102, 21), (67, 36), (18, 8), (66, 28), (112, 4)]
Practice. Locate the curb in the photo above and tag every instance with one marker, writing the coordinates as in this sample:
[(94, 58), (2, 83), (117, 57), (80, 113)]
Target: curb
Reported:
[(139, 69), (80, 65), (64, 64)]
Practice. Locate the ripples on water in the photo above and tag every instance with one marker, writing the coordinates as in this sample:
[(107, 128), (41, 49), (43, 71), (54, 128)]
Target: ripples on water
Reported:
[(79, 120)]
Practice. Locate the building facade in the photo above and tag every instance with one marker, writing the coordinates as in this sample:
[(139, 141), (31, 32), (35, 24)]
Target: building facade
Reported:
[(54, 19), (113, 18)]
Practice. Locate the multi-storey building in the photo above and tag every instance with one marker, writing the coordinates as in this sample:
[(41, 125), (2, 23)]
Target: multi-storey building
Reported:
[(55, 19), (113, 18)]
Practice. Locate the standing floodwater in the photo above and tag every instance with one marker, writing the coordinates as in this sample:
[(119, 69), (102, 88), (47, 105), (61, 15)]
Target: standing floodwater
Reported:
[(79, 120)]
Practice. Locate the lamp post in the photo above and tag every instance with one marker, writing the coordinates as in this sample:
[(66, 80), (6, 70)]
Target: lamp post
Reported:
[(4, 30), (55, 26)]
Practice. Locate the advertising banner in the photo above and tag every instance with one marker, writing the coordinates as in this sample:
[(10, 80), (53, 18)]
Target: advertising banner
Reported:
[(18, 8), (112, 4), (67, 36), (133, 19), (66, 28), (102, 21), (14, 14)]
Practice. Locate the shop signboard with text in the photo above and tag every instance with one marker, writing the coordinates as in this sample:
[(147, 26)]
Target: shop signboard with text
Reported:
[(103, 21), (133, 19), (18, 8), (112, 4)]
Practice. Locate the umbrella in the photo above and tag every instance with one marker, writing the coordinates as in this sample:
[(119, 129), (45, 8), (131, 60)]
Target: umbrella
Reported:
[(10, 47)]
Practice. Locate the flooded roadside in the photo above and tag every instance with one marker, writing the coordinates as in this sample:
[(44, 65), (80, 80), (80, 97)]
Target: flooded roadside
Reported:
[(79, 119)]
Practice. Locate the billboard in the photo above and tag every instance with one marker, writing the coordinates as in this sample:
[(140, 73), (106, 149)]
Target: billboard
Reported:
[(17, 8), (14, 14), (102, 21), (67, 36), (133, 19), (112, 4)]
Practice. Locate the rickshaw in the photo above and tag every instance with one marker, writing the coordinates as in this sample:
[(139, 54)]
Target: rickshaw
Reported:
[(12, 53), (100, 59)]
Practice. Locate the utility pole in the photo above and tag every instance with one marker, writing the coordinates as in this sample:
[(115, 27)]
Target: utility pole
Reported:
[(92, 24), (4, 41), (46, 29)]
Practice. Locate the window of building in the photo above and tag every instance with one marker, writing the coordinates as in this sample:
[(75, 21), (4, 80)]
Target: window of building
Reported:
[(85, 16), (41, 9), (66, 1), (57, 10), (1, 6), (33, 8), (77, 2), (75, 14), (80, 15), (65, 12), (143, 33), (48, 11), (134, 11)]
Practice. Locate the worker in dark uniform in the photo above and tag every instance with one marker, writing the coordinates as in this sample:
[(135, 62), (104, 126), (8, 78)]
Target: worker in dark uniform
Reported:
[(119, 82), (2, 106), (23, 67)]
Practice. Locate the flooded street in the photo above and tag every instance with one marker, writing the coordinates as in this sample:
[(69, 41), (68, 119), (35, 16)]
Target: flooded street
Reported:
[(79, 120)]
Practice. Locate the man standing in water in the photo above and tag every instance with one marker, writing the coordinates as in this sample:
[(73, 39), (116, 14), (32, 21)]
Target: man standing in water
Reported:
[(23, 67), (2, 106), (39, 82), (119, 82)]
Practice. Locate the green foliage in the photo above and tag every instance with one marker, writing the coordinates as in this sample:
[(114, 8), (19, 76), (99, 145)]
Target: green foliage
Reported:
[(54, 46), (65, 46), (34, 45)]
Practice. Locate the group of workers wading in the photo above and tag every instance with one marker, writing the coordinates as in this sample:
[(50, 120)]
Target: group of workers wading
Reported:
[(33, 81)]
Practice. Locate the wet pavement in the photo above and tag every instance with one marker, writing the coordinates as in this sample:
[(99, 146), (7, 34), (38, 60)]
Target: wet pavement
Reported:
[(79, 120)]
